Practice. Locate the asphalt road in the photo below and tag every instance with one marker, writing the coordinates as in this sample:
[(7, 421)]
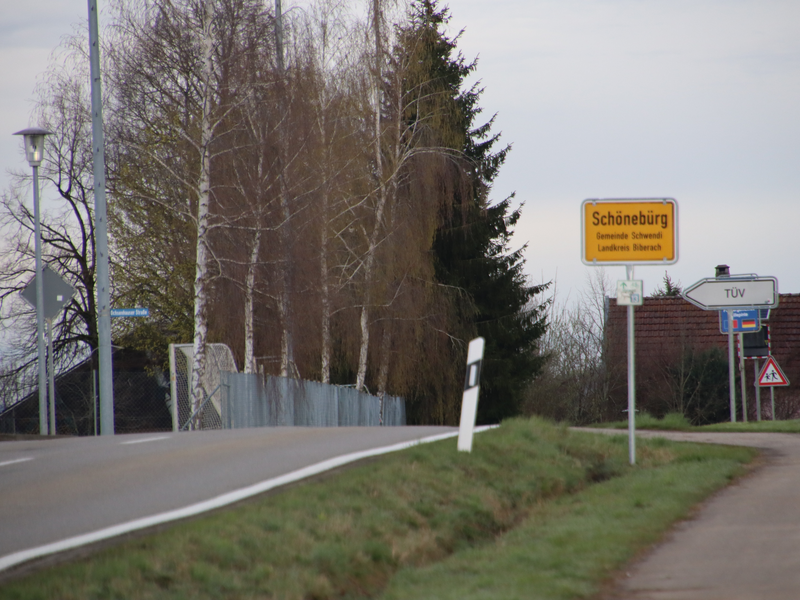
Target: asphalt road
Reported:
[(742, 544), (56, 489)]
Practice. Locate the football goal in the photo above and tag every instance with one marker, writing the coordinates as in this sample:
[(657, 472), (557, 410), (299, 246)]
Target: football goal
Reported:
[(219, 358)]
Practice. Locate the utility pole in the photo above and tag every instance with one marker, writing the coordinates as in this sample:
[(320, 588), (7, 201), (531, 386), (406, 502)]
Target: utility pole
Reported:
[(101, 232), (279, 35)]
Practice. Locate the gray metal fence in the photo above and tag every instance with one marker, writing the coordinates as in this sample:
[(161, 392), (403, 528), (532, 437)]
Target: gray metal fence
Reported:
[(141, 404), (247, 400)]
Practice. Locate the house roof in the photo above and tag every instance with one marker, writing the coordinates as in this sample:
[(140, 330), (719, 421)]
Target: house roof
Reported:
[(667, 324)]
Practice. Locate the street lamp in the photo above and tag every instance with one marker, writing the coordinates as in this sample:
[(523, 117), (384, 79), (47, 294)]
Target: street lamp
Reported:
[(34, 152)]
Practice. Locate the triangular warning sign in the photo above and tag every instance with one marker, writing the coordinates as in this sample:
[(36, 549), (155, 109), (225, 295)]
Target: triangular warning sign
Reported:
[(771, 374)]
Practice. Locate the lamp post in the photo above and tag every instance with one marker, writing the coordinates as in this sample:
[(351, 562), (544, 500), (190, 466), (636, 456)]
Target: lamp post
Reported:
[(34, 152)]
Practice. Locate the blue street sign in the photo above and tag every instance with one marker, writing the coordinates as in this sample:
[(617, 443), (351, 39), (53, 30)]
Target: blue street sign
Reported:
[(744, 321), (130, 312)]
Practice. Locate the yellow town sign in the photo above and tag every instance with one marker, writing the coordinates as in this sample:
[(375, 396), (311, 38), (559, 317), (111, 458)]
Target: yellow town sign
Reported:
[(626, 232)]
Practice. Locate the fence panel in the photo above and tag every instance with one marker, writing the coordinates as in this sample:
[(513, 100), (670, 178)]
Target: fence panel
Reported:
[(315, 404), (394, 411), (248, 401), (141, 404)]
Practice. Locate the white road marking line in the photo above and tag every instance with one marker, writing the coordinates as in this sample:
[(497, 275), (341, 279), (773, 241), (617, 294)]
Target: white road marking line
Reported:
[(15, 558), (152, 439), (15, 461)]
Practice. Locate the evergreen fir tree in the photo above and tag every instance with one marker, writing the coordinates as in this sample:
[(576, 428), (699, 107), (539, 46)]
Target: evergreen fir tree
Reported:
[(670, 289), (471, 247)]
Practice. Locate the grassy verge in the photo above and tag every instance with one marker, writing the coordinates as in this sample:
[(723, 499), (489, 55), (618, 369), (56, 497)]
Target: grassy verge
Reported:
[(568, 547), (677, 422), (670, 422), (792, 426), (534, 504)]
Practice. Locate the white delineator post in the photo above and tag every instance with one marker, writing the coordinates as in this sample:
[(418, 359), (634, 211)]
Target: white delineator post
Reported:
[(469, 402)]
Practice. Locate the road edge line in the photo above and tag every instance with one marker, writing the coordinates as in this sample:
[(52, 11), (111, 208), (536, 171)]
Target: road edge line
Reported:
[(21, 556)]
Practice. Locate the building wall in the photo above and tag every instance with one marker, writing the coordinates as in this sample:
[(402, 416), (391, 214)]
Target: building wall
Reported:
[(669, 329)]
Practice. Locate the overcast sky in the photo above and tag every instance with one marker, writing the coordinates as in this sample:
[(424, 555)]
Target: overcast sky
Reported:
[(698, 100)]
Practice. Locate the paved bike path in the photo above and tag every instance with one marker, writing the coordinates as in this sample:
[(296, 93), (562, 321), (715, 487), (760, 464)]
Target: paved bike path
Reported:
[(742, 544)]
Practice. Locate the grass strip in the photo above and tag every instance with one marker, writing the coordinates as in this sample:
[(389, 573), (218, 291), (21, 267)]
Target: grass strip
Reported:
[(677, 422), (792, 426), (568, 548), (347, 536)]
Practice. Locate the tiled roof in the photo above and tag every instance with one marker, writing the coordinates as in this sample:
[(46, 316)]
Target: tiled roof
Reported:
[(663, 326)]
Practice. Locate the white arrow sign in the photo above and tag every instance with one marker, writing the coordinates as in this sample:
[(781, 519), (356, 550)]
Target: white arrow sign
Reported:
[(733, 292)]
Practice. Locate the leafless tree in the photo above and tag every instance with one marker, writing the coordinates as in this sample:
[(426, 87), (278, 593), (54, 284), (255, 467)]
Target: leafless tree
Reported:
[(175, 67), (67, 222), (576, 381)]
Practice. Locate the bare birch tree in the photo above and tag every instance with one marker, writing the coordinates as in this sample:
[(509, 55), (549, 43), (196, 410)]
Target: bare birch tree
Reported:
[(576, 383), (174, 68)]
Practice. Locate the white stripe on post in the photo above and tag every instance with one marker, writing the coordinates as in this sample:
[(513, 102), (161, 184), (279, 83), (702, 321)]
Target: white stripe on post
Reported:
[(469, 402)]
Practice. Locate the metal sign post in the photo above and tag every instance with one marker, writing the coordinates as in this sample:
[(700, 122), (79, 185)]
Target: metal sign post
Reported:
[(758, 392), (56, 293), (742, 378), (772, 400), (731, 373), (51, 428), (631, 379), (733, 293), (630, 293), (630, 231)]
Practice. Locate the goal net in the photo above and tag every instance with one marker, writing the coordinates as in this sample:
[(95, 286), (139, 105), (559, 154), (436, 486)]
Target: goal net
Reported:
[(219, 358)]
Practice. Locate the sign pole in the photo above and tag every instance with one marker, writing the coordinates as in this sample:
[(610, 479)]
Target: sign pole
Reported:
[(742, 378), (731, 373), (626, 232), (52, 378), (772, 399), (733, 292), (758, 391), (631, 379)]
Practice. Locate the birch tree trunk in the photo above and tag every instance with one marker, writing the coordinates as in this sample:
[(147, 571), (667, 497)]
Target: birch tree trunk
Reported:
[(249, 304), (383, 372), (369, 265), (203, 217), (325, 353), (288, 368)]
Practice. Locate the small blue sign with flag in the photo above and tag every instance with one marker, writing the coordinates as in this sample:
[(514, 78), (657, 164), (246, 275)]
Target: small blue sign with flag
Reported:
[(744, 321)]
